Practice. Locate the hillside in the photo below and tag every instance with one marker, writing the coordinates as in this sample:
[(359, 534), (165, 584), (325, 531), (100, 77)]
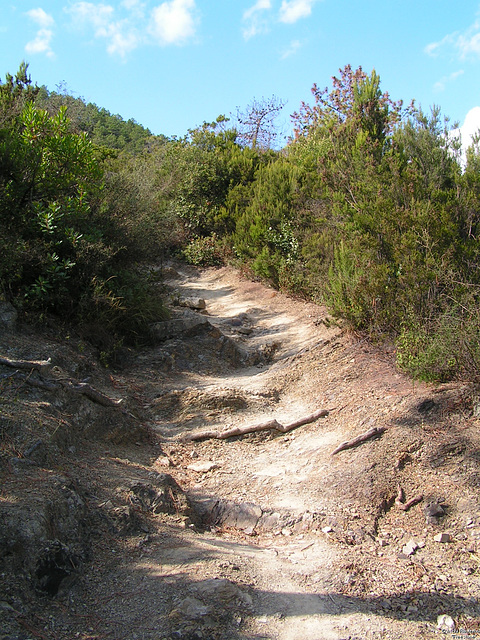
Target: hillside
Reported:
[(115, 523)]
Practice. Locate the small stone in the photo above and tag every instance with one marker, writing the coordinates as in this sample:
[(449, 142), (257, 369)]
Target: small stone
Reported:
[(445, 623), (410, 548), (434, 511), (8, 315), (327, 529), (203, 466), (382, 542), (442, 537), (219, 589), (197, 304), (190, 608), (163, 461)]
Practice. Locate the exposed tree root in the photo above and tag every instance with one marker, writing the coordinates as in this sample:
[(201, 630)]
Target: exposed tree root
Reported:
[(263, 426), (38, 365), (375, 432), (55, 385), (405, 506)]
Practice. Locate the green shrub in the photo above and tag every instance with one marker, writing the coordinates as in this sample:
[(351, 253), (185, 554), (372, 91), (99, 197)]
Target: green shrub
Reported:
[(447, 348), (204, 251)]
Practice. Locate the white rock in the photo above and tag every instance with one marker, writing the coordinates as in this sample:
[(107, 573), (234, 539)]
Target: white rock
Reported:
[(203, 466), (410, 548), (442, 537), (193, 303), (163, 461), (445, 622), (192, 608)]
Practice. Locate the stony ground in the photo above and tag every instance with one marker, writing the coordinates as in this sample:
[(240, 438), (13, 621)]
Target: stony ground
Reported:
[(115, 523)]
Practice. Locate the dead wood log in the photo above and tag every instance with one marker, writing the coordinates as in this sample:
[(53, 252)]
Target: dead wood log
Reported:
[(92, 394), (375, 432), (405, 506), (263, 426), (26, 364), (410, 503), (80, 388)]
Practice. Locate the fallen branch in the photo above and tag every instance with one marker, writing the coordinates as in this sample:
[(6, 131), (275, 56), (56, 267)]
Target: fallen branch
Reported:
[(93, 394), (26, 364), (263, 426), (411, 502), (405, 506), (400, 499), (81, 388), (375, 432)]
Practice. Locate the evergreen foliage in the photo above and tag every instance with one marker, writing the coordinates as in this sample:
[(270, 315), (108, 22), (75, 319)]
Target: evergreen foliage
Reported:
[(67, 247), (370, 208)]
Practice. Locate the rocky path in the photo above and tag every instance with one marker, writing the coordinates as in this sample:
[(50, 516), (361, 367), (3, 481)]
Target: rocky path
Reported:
[(316, 541), (269, 536)]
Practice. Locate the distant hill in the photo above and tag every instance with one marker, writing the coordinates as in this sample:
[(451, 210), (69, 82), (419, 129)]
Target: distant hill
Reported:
[(103, 128)]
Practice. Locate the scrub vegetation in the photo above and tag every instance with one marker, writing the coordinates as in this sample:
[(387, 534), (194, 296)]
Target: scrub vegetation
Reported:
[(371, 207)]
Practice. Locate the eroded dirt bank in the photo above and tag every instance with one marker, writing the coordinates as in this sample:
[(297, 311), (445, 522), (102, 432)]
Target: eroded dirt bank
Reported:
[(113, 524)]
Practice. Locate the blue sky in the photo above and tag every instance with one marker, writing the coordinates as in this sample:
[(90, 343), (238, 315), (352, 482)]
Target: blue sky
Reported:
[(174, 64)]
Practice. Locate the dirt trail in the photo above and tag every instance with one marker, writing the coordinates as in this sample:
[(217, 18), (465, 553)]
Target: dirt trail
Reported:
[(281, 540)]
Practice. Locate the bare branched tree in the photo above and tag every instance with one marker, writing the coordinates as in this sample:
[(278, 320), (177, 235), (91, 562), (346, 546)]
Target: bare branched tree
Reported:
[(256, 125)]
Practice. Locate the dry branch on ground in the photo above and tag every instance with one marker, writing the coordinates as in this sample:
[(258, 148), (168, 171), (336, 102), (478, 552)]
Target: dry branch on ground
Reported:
[(263, 426), (375, 432), (55, 385)]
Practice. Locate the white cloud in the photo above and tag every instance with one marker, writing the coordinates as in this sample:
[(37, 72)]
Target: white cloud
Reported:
[(126, 26), (254, 19), (121, 43), (99, 16), (465, 133), (293, 10), (470, 126), (434, 48), (121, 35), (173, 22), (442, 83), (42, 41), (136, 7), (467, 43), (43, 19), (133, 5), (260, 5), (292, 49)]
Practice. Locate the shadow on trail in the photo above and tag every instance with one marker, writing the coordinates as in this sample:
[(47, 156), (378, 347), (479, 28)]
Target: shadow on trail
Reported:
[(156, 591)]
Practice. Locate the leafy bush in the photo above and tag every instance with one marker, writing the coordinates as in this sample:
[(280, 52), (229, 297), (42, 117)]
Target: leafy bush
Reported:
[(205, 252), (65, 233), (449, 348)]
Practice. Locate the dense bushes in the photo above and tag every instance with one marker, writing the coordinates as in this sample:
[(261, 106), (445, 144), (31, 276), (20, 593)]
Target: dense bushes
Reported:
[(69, 246), (401, 220), (369, 209)]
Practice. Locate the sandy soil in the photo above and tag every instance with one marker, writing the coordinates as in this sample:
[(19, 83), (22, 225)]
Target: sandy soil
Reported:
[(280, 539)]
